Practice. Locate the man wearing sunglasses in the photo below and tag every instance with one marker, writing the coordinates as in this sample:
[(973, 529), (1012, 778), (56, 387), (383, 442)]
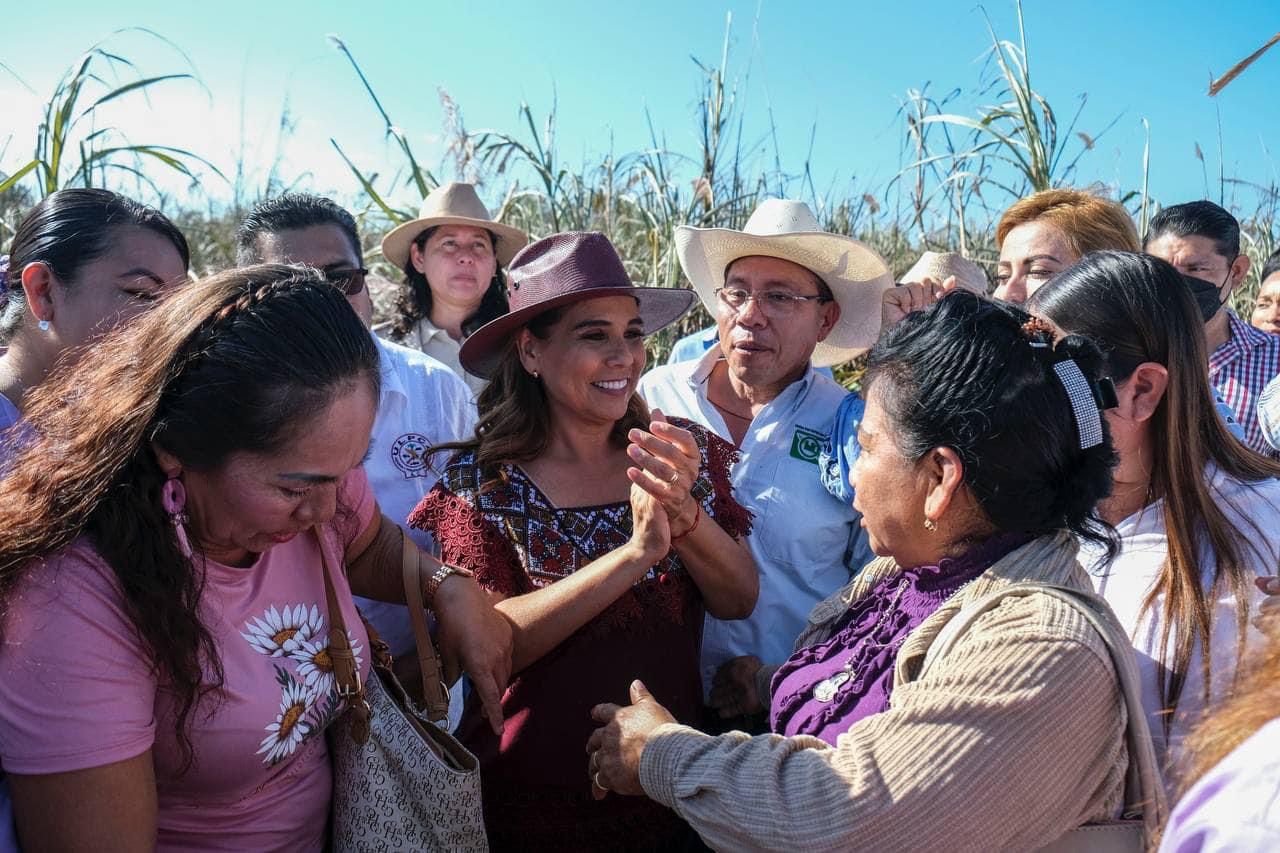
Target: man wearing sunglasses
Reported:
[(1202, 240), (422, 402)]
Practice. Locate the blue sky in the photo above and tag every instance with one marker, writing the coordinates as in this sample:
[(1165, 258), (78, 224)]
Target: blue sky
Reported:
[(842, 67)]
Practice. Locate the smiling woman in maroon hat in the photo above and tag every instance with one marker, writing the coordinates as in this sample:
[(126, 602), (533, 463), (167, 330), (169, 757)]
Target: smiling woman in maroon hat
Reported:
[(601, 532)]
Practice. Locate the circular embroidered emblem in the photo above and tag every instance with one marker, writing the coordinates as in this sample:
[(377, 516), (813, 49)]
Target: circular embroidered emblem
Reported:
[(409, 454)]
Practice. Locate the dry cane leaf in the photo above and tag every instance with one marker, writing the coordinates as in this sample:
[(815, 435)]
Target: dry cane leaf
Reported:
[(1217, 86)]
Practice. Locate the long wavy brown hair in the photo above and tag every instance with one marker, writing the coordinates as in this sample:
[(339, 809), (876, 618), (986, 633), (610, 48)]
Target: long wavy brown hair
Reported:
[(1138, 309), (515, 422), (1255, 702), (232, 363)]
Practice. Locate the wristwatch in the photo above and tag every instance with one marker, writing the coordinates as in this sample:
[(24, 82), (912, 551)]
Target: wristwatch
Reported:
[(438, 577)]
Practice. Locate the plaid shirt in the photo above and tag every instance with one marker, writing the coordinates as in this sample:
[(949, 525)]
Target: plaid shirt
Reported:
[(1240, 369)]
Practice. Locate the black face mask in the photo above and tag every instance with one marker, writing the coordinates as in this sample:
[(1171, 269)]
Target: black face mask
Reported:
[(1207, 295)]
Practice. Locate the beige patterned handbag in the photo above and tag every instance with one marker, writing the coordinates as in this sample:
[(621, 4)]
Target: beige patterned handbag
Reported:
[(1144, 797), (399, 781)]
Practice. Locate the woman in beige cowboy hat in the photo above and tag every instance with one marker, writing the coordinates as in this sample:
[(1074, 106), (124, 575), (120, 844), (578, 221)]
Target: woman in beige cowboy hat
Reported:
[(452, 256)]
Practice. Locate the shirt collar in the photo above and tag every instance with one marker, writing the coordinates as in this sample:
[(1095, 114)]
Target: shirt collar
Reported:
[(428, 330), (703, 367), (392, 382), (1241, 340)]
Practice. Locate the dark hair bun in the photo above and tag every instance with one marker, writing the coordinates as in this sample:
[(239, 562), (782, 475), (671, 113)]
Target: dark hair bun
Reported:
[(978, 376)]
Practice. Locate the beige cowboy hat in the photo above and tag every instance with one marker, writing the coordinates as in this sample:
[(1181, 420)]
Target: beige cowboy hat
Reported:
[(780, 228), (940, 266), (452, 204)]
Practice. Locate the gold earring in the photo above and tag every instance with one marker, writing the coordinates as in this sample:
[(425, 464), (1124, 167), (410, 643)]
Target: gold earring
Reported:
[(930, 525)]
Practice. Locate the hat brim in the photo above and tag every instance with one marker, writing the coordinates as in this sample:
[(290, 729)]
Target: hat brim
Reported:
[(395, 246), (659, 308), (941, 266), (856, 274)]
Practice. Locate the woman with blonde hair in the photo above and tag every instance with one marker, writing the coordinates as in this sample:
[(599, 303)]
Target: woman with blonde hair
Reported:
[(1198, 511), (1046, 232)]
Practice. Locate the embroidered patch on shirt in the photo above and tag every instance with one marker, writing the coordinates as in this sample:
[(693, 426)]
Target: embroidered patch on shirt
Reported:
[(409, 455), (806, 444)]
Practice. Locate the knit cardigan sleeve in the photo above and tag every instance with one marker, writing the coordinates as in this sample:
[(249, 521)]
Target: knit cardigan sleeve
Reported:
[(1013, 738)]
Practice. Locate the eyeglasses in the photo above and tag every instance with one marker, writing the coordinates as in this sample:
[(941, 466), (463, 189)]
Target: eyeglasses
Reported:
[(349, 280), (774, 303)]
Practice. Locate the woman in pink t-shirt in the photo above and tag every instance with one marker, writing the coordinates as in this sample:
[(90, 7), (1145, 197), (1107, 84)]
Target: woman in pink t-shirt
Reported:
[(164, 661)]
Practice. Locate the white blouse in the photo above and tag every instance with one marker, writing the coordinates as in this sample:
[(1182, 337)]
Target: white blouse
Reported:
[(426, 337), (1255, 510)]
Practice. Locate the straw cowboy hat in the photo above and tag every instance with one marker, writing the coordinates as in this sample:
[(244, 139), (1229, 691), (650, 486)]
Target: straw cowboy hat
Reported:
[(560, 270), (452, 204), (780, 228), (940, 266)]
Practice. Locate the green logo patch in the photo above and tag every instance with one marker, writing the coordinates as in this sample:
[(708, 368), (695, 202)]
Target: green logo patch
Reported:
[(806, 444)]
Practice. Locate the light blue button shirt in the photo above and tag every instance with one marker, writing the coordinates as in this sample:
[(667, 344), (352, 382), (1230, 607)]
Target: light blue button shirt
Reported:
[(806, 543), (422, 403)]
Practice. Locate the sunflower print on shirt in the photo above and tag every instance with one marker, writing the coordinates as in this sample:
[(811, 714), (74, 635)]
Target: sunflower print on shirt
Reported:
[(296, 637)]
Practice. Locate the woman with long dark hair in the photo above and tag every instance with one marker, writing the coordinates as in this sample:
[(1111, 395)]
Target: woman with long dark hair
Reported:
[(82, 261), (603, 533), (452, 256), (1198, 511), (164, 643)]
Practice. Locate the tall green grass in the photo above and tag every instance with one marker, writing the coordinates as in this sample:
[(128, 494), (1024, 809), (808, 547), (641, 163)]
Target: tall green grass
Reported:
[(959, 168)]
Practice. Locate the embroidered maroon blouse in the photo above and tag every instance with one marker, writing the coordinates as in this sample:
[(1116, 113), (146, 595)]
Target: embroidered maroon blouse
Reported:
[(534, 779)]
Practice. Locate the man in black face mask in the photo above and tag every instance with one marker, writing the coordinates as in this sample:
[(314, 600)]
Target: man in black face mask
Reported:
[(1202, 240)]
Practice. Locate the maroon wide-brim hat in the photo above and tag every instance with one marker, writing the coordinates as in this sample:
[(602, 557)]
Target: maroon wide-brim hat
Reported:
[(560, 270)]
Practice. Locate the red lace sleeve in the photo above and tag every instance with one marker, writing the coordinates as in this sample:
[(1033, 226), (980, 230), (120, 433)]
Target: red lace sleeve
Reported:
[(715, 491), (470, 541)]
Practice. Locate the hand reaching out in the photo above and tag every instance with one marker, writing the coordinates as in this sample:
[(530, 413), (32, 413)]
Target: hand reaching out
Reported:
[(900, 301)]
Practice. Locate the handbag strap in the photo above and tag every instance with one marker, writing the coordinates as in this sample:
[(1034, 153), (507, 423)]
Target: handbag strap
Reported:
[(1144, 788), (346, 672), (435, 693)]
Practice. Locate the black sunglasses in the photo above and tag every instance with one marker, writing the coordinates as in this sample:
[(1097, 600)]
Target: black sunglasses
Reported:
[(350, 280)]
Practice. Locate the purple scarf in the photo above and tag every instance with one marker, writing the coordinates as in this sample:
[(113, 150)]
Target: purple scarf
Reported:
[(824, 689)]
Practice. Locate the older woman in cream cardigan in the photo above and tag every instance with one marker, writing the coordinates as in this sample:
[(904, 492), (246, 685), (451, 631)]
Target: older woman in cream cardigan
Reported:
[(920, 711)]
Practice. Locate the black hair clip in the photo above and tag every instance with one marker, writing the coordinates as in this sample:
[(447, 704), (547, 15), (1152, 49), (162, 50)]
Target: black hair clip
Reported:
[(1104, 393)]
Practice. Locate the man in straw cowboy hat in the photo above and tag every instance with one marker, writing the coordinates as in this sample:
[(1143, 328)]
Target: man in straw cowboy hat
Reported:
[(787, 297)]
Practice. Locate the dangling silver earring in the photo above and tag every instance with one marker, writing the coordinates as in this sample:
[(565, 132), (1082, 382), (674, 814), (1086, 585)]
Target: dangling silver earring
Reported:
[(43, 325), (533, 373)]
